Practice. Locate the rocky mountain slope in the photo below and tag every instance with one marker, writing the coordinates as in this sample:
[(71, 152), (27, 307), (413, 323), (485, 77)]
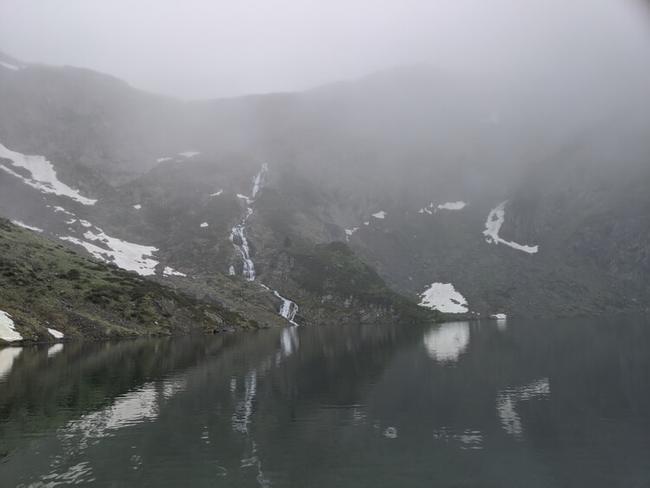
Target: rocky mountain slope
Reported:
[(493, 199), (50, 293)]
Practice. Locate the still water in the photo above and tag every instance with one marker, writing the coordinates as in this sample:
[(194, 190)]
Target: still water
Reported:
[(522, 404)]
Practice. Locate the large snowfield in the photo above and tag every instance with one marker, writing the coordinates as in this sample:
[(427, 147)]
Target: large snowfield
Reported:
[(444, 298), (43, 176)]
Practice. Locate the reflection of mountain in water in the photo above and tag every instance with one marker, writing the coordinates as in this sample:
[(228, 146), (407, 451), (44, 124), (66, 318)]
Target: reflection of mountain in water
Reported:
[(324, 407)]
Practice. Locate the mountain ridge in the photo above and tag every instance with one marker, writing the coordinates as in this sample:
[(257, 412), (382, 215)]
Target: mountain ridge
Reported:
[(171, 177)]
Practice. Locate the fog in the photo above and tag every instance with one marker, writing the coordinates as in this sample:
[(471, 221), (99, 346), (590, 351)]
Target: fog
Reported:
[(218, 48)]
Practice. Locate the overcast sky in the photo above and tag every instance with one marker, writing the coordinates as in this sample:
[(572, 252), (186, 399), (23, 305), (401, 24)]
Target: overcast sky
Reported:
[(215, 48)]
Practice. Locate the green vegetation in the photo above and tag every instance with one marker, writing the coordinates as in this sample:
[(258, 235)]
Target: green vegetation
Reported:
[(334, 270), (44, 284)]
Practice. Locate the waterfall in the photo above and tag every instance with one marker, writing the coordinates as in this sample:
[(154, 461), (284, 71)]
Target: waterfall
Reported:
[(288, 309)]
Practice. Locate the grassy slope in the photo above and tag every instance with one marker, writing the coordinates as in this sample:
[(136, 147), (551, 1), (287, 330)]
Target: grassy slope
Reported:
[(328, 280), (44, 284), (337, 286)]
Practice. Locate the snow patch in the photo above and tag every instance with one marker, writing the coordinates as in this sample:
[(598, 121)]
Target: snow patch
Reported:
[(349, 232), (55, 333), (379, 215), (172, 272), (10, 66), (126, 255), (446, 342), (8, 328), (189, 154), (452, 206), (433, 208), (43, 177), (25, 226), (493, 224), (184, 154), (62, 210), (444, 298)]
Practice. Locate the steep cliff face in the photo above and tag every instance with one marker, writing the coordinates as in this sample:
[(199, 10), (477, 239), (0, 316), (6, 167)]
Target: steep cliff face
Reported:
[(521, 207), (540, 263)]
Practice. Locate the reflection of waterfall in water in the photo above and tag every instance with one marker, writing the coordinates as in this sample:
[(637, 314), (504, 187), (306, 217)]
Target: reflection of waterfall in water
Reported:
[(289, 341), (244, 401), (241, 420), (288, 308), (244, 409), (508, 399)]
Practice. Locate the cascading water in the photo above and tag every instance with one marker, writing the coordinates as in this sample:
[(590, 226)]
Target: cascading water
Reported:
[(288, 309), (238, 232), (239, 240)]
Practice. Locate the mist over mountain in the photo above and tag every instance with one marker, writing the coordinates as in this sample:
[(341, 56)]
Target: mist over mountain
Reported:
[(350, 242), (197, 49), (528, 199), (518, 186)]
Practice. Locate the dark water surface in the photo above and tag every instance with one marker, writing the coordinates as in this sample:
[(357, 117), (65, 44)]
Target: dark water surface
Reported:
[(545, 404)]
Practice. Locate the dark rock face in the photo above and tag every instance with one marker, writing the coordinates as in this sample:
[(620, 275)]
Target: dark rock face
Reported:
[(369, 157)]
